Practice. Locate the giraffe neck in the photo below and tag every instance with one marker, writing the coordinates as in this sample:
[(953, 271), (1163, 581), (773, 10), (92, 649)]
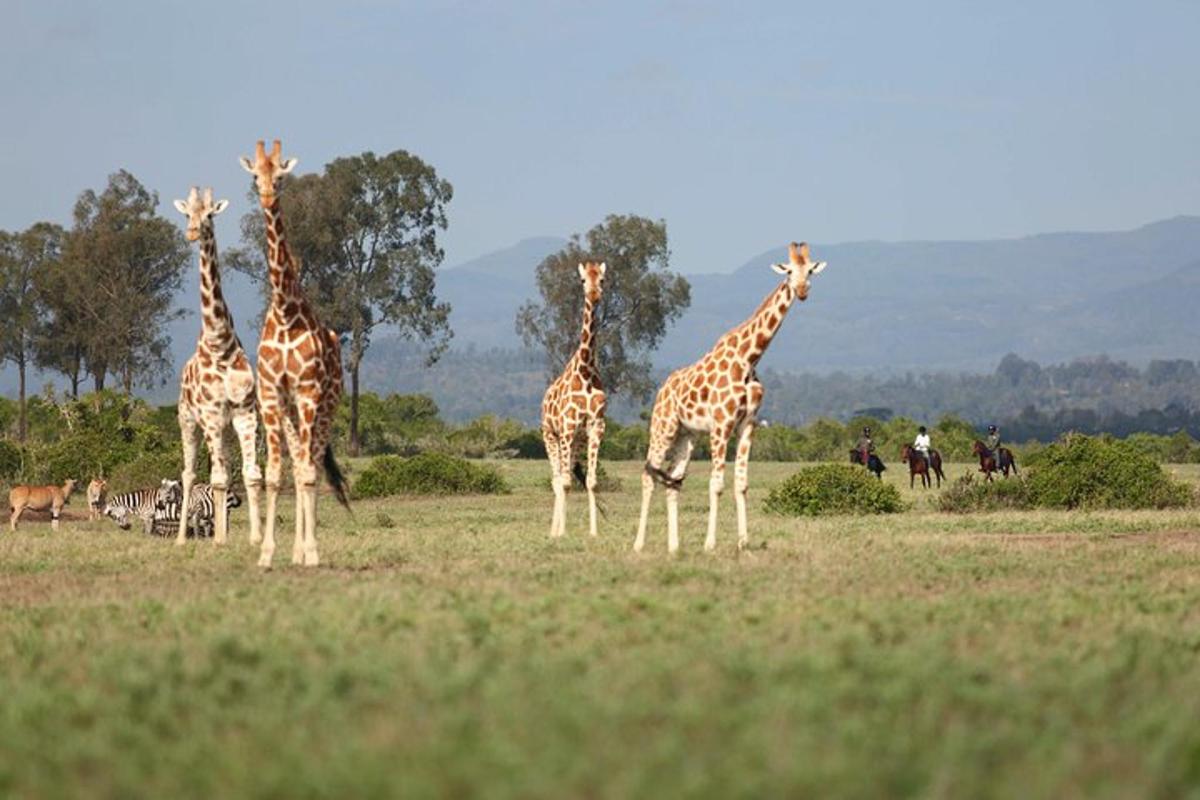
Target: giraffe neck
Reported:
[(216, 322), (587, 334), (761, 328), (281, 270)]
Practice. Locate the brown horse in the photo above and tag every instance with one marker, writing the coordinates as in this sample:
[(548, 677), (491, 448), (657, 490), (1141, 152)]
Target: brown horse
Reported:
[(917, 466), (987, 460), (874, 463)]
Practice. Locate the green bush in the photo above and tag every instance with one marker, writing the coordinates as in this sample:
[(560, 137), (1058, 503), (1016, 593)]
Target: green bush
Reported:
[(968, 494), (1081, 471), (147, 470), (427, 473), (833, 489), (12, 459)]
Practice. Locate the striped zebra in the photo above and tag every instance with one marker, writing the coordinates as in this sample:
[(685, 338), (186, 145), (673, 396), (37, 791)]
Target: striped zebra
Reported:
[(142, 504), (200, 508)]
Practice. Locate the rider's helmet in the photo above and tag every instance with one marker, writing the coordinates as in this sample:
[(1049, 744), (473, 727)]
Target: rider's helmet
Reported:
[(867, 430), (991, 428), (921, 429)]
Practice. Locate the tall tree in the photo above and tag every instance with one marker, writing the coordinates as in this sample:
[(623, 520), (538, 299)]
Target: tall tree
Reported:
[(641, 300), (364, 233), (23, 256), (126, 264)]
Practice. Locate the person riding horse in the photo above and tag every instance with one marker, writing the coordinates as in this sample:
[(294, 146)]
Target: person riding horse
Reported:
[(865, 446), (923, 445), (993, 443)]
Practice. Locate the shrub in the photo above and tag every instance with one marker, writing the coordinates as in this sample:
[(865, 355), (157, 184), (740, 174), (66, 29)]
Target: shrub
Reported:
[(833, 489), (967, 494), (12, 459), (1081, 471), (427, 473), (147, 470)]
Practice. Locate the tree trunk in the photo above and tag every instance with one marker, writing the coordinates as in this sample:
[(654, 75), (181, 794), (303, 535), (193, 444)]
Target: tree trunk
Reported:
[(22, 419), (127, 380), (354, 444), (98, 380)]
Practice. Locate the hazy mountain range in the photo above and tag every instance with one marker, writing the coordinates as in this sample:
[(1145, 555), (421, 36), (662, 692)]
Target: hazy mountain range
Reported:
[(879, 306)]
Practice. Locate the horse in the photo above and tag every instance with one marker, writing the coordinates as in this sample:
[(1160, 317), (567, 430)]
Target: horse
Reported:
[(875, 464), (39, 498), (917, 466), (987, 461)]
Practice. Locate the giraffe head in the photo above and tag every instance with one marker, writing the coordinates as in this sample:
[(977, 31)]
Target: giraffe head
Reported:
[(799, 269), (592, 275), (199, 209), (267, 170)]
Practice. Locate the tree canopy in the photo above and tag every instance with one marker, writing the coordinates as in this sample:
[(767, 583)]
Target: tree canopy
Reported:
[(642, 298)]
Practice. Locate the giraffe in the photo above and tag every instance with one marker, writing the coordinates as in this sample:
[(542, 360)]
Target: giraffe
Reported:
[(217, 385), (576, 399), (299, 376), (719, 395)]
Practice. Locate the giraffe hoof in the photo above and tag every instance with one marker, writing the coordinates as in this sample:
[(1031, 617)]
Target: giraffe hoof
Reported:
[(311, 560), (180, 542)]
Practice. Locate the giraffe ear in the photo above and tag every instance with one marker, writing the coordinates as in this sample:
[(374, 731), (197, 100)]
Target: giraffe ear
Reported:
[(603, 267), (181, 207), (780, 268), (247, 164), (820, 266), (219, 206), (582, 272), (288, 166)]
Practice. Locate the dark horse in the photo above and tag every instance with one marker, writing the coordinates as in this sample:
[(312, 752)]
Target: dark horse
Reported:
[(917, 466), (874, 465), (987, 460)]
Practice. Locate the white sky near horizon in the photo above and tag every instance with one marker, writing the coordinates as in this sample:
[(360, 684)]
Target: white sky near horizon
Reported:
[(743, 125)]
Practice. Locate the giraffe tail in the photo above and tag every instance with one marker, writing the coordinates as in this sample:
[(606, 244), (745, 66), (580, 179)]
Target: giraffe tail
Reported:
[(337, 481), (581, 478), (663, 477)]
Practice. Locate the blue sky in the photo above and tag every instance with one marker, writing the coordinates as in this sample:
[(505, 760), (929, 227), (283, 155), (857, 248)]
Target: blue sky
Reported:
[(744, 125)]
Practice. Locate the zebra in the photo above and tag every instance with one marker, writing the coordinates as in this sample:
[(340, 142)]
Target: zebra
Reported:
[(140, 503), (200, 507)]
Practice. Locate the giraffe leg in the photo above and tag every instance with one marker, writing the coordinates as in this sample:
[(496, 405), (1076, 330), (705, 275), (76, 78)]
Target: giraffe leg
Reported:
[(741, 480), (299, 458), (552, 445), (304, 471), (245, 423), (681, 455), (662, 440), (718, 442), (218, 479), (566, 457), (595, 436), (274, 479), (189, 432)]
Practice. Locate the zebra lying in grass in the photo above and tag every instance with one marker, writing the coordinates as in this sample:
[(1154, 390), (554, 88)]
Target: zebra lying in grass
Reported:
[(158, 509), (201, 520)]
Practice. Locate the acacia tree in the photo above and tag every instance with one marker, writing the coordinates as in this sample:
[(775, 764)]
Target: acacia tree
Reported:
[(364, 234), (23, 256), (124, 264), (641, 300)]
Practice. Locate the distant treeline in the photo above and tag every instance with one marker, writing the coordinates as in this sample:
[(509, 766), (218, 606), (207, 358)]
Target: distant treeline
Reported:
[(1029, 401)]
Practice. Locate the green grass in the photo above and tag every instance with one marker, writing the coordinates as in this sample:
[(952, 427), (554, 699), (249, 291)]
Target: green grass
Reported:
[(456, 651)]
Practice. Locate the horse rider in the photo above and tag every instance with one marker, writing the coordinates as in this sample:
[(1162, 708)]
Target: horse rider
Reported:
[(993, 443), (923, 445), (865, 446)]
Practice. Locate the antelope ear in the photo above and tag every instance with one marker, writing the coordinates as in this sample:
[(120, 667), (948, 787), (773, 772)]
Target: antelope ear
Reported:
[(288, 166), (582, 272), (181, 207), (247, 164), (780, 268), (220, 206)]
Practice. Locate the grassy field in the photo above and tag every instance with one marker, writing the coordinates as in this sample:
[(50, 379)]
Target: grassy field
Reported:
[(447, 648)]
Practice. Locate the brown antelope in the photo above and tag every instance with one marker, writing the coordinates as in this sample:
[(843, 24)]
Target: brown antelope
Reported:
[(40, 498)]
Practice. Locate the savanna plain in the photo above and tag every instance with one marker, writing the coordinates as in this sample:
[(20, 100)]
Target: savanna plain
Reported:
[(447, 648)]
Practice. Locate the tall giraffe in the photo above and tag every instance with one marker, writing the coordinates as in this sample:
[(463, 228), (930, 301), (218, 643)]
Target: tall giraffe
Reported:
[(217, 385), (575, 399), (299, 375), (718, 395)]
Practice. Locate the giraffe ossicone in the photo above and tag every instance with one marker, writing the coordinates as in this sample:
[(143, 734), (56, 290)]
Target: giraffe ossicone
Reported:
[(217, 384), (719, 395), (576, 402)]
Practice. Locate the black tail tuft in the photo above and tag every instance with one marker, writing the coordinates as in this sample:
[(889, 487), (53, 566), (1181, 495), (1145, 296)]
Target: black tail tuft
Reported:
[(663, 477), (337, 481), (580, 475)]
